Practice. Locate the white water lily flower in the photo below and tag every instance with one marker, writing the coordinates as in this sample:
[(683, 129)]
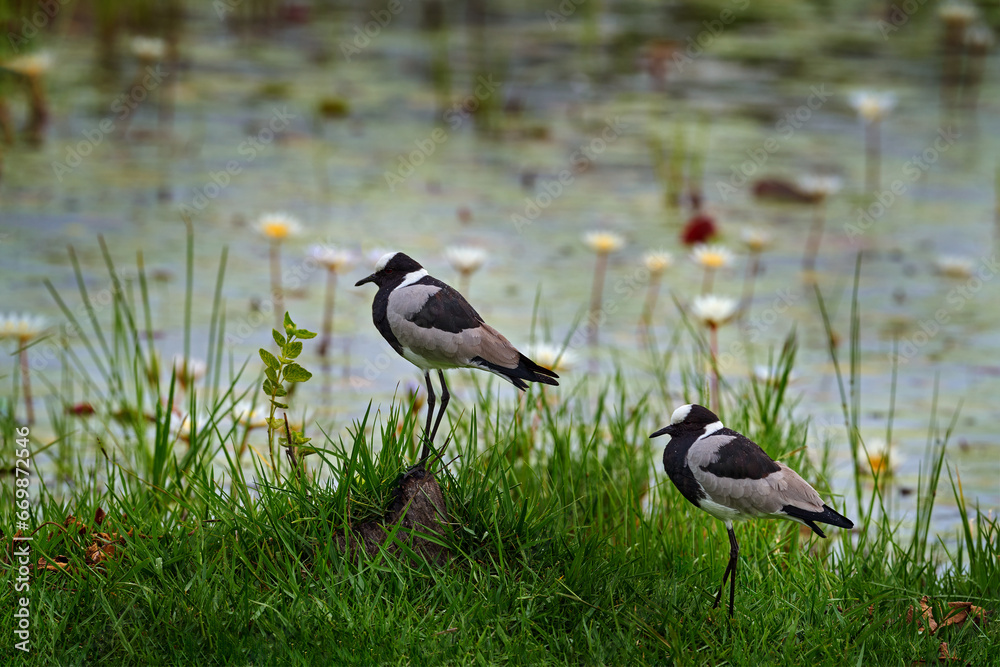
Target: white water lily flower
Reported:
[(711, 256), (31, 64), (22, 326), (465, 259), (551, 356), (247, 415), (279, 226), (148, 48), (955, 266), (768, 375), (188, 371), (817, 185), (957, 13), (603, 242), (657, 262), (333, 258), (872, 105), (755, 239), (713, 310)]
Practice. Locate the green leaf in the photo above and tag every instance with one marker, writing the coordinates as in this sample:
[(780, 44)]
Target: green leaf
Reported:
[(304, 334), (274, 388), (271, 375), (292, 350), (280, 405), (278, 338), (269, 359), (289, 325), (295, 373)]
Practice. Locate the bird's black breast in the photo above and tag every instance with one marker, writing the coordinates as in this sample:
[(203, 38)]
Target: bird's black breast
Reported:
[(740, 458), (445, 310), (380, 307), (676, 467)]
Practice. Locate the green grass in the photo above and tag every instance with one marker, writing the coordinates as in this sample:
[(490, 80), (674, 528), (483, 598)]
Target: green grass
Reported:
[(570, 545)]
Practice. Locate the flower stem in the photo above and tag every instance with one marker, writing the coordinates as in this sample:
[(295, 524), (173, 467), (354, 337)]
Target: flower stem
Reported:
[(596, 295), (464, 282), (713, 338), (815, 237), (753, 268), (331, 287), (26, 383), (652, 294), (873, 156), (276, 292), (708, 280)]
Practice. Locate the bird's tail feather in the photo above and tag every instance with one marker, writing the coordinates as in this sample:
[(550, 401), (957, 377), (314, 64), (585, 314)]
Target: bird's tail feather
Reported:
[(526, 369), (828, 515)]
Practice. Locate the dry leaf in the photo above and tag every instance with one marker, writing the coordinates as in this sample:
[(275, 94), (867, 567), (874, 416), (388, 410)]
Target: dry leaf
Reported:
[(58, 564), (961, 611), (99, 516), (943, 653)]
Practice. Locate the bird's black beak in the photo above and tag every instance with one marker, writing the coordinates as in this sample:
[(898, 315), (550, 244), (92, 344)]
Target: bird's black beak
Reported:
[(666, 430), (369, 279)]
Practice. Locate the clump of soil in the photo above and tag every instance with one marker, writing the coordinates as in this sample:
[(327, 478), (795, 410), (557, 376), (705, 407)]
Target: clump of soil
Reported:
[(417, 508)]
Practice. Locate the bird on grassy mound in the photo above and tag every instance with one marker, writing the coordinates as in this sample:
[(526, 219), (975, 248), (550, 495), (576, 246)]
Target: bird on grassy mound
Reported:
[(432, 326), (730, 477)]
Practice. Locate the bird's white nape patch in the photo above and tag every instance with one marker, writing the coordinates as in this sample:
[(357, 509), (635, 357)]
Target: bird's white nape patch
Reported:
[(412, 277), (680, 414), (383, 260), (710, 429)]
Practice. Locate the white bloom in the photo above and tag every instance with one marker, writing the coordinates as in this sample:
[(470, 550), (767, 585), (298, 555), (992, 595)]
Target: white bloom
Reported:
[(882, 458), (31, 64), (657, 261), (713, 310), (551, 356), (148, 48), (376, 254), (767, 375), (22, 326), (755, 239), (279, 226), (958, 13), (333, 258), (980, 37), (465, 259), (821, 186), (247, 415), (711, 256), (871, 105), (603, 242), (188, 371), (955, 266)]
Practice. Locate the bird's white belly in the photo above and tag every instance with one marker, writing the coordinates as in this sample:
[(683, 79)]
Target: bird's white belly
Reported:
[(423, 363), (721, 511)]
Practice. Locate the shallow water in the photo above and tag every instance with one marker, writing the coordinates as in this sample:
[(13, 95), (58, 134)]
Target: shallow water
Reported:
[(581, 106)]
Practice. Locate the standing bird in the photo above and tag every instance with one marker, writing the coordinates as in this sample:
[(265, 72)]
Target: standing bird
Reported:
[(730, 477), (432, 326)]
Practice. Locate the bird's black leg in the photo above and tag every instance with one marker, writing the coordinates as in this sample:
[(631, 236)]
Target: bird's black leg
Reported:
[(428, 436), (445, 397), (734, 552)]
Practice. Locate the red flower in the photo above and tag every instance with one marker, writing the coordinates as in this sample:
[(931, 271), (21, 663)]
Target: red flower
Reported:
[(699, 229)]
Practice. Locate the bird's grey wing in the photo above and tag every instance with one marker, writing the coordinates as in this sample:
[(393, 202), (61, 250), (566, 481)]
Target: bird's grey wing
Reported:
[(433, 323), (444, 307), (736, 472)]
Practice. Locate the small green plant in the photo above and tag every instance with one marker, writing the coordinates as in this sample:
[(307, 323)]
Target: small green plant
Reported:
[(279, 370)]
